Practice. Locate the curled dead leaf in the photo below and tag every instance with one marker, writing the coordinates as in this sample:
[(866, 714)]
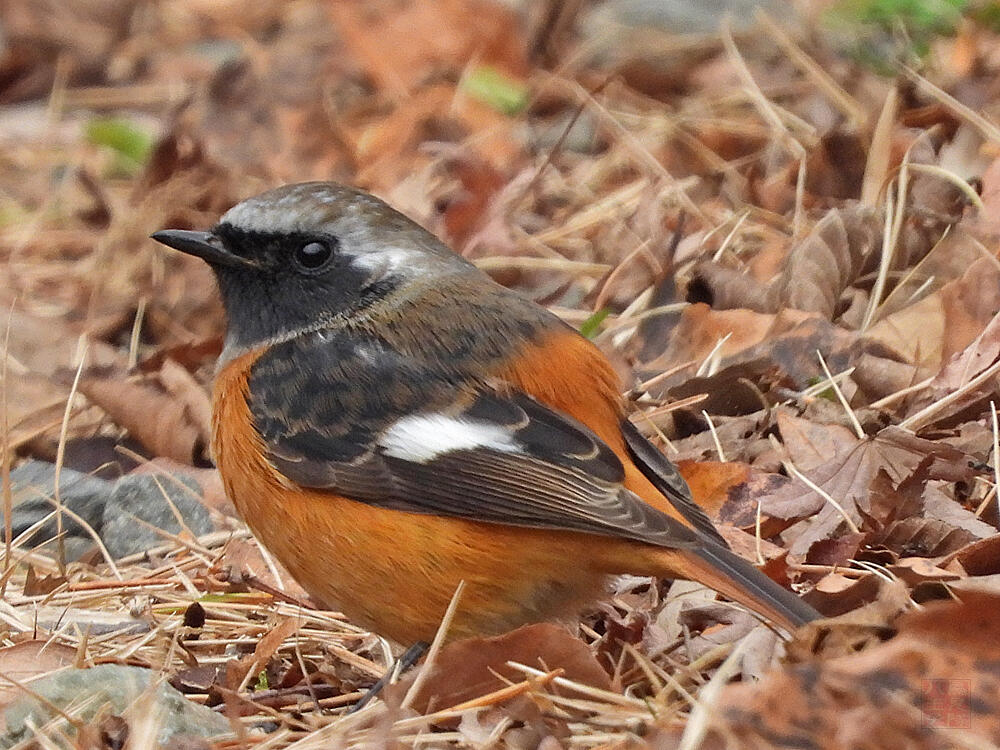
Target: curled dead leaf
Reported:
[(168, 412), (815, 274), (469, 668), (914, 691)]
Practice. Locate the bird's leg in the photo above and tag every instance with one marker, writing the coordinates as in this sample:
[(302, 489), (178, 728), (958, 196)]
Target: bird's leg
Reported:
[(409, 657)]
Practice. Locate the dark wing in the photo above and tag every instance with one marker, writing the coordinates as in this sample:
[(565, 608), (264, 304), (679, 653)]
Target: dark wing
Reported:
[(664, 476), (368, 424)]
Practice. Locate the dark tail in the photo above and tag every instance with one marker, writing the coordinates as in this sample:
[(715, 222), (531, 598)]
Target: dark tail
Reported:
[(737, 579)]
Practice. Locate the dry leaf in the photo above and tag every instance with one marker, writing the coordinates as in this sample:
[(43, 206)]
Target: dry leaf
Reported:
[(29, 660), (847, 477), (947, 321), (814, 275), (810, 444), (932, 682), (169, 413), (381, 37), (267, 646), (712, 481), (464, 669)]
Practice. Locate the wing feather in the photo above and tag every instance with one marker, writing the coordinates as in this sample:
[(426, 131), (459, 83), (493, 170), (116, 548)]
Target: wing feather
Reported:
[(484, 454)]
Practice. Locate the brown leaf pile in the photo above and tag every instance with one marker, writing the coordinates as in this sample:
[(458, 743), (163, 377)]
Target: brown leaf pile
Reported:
[(791, 260)]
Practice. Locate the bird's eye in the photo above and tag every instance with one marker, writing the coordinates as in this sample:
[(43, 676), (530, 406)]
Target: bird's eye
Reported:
[(312, 256)]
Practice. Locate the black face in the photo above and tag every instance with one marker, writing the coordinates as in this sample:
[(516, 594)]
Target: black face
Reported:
[(273, 284)]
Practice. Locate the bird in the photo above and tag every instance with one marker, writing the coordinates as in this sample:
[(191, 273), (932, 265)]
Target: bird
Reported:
[(390, 422)]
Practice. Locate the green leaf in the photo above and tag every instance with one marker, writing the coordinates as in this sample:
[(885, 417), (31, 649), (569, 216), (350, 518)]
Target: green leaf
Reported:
[(882, 34), (232, 597), (132, 145), (495, 89), (592, 325), (261, 681)]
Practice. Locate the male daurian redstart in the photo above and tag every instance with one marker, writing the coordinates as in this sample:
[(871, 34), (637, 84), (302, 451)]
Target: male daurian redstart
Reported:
[(390, 422)]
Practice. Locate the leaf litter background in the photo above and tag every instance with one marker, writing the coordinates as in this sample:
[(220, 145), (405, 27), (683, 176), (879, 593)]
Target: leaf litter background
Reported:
[(791, 259)]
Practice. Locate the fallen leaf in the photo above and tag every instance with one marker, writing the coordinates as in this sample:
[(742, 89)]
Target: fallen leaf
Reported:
[(935, 678), (948, 320), (464, 669), (169, 412), (964, 366), (242, 562), (267, 646), (29, 660), (848, 476), (810, 444), (380, 36), (701, 328), (712, 481), (978, 558), (813, 277), (914, 570)]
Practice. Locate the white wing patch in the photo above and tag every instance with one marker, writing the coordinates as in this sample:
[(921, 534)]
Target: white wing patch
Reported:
[(423, 437)]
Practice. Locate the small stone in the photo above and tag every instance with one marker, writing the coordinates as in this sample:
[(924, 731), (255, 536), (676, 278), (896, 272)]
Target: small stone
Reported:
[(114, 690), (33, 486), (686, 16), (156, 501)]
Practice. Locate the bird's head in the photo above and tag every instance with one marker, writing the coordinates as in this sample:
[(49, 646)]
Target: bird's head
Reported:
[(307, 255)]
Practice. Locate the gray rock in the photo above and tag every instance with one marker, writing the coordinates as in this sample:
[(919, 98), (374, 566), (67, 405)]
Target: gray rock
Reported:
[(117, 690), (141, 496), (686, 16), (110, 508), (582, 136), (34, 489)]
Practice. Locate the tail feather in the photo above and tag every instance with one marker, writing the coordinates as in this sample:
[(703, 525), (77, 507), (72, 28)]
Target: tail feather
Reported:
[(737, 579)]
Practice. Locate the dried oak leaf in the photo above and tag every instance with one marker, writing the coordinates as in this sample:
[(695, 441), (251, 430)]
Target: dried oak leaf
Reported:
[(929, 332), (469, 668), (168, 412), (815, 274), (848, 475), (935, 679)]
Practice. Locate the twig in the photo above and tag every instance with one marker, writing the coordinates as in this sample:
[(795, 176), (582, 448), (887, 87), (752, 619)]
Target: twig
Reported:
[(926, 415), (715, 436), (858, 430), (60, 455), (435, 648)]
